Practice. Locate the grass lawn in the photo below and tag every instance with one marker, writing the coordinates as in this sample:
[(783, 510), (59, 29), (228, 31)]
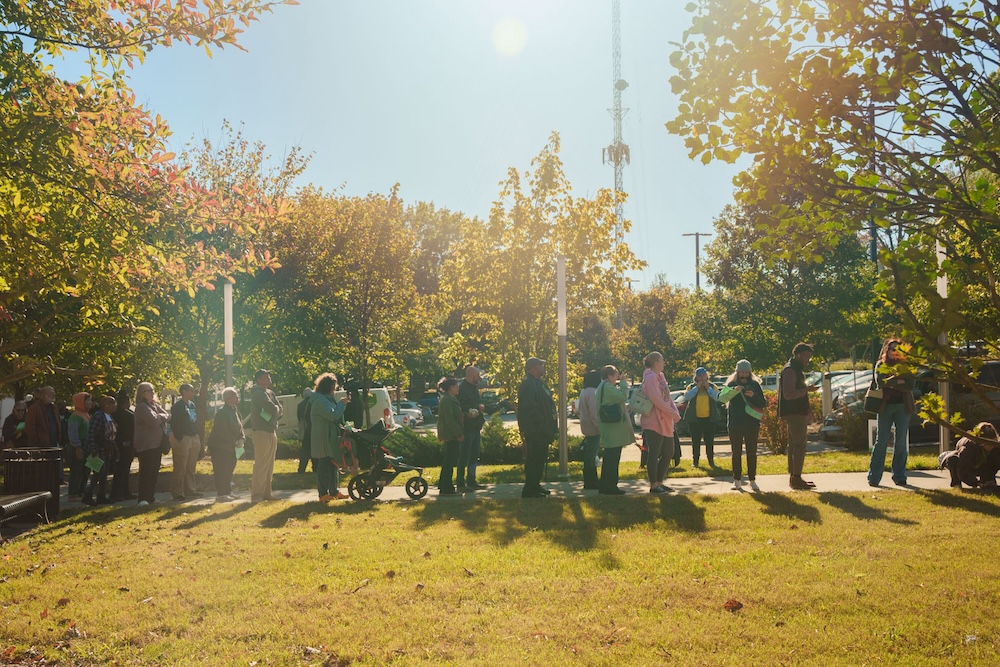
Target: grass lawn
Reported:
[(901, 578)]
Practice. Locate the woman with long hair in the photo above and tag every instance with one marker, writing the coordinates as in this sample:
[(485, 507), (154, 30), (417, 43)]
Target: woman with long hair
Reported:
[(896, 409), (658, 425)]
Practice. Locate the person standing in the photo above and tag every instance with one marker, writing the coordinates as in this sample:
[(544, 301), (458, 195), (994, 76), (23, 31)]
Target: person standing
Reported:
[(536, 420), (125, 420), (186, 445), (450, 432), (702, 415), (305, 430), (226, 436), (745, 410), (41, 422), (150, 434), (472, 426), (14, 435), (590, 426), (100, 443), (327, 415), (794, 409), (612, 393), (78, 430), (658, 425), (898, 405), (265, 411)]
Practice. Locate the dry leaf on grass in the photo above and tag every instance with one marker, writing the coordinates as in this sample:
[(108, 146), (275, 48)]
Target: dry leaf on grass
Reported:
[(361, 585), (323, 588), (420, 587), (62, 602), (45, 613), (390, 574), (733, 605)]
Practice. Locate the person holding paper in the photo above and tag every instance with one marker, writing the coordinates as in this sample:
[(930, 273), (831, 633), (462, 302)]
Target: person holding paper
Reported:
[(746, 402), (612, 394), (150, 434), (265, 411), (224, 441), (77, 430), (658, 425), (702, 415), (101, 450)]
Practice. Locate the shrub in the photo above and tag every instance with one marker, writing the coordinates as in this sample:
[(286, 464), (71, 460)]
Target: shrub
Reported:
[(417, 449), (773, 431), (855, 429), (500, 444)]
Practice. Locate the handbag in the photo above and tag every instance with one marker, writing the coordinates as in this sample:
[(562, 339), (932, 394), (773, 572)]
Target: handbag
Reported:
[(873, 397), (640, 403), (610, 413)]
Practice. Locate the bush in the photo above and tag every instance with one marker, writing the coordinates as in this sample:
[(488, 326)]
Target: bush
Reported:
[(500, 444), (416, 448), (855, 427), (773, 431)]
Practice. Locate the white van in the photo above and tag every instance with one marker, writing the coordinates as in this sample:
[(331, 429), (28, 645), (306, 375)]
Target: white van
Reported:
[(288, 425)]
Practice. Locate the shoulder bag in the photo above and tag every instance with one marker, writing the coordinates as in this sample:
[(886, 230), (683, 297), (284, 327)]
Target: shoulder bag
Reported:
[(873, 397), (610, 413), (640, 403)]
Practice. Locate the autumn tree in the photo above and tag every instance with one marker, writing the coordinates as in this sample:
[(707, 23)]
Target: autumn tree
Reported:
[(884, 113), (94, 214), (503, 271)]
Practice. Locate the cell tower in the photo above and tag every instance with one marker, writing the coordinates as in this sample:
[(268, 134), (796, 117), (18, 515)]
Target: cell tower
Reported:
[(617, 153)]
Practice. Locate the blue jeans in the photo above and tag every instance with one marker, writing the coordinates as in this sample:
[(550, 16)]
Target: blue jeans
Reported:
[(468, 458), (894, 414)]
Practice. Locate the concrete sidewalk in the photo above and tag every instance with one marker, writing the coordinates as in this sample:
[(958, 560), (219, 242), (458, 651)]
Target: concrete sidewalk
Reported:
[(918, 480)]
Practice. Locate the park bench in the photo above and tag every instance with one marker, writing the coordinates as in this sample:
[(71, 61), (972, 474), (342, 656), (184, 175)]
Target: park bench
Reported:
[(24, 503)]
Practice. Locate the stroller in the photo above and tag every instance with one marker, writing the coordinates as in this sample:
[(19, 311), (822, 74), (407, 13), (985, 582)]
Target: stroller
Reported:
[(374, 466)]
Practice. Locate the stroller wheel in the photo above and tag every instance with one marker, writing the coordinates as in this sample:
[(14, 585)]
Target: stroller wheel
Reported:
[(358, 488), (416, 487)]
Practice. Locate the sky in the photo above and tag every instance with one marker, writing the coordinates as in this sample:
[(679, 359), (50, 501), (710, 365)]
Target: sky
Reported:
[(444, 96)]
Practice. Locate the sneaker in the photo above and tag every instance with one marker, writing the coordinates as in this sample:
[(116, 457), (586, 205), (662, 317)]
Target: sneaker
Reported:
[(753, 485), (326, 497), (341, 496), (544, 490), (477, 486), (659, 490), (143, 503), (224, 499), (737, 485)]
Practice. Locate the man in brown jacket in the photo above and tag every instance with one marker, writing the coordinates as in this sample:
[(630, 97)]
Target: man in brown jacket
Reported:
[(41, 423)]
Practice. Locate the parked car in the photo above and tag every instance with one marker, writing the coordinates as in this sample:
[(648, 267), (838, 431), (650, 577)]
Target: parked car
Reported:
[(403, 419), (430, 401), (493, 403), (415, 416), (571, 412), (425, 412)]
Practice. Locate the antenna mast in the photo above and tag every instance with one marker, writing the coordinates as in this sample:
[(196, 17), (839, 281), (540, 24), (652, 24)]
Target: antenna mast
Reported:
[(618, 152)]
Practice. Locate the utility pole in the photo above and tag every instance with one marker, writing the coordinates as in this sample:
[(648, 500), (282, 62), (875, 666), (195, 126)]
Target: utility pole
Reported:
[(697, 257)]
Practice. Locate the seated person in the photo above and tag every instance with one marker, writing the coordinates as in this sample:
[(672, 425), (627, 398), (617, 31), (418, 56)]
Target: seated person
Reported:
[(975, 463)]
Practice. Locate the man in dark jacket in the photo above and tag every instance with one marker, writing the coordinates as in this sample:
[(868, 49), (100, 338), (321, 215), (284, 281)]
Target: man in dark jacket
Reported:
[(793, 408), (472, 425), (536, 420), (124, 418), (185, 443)]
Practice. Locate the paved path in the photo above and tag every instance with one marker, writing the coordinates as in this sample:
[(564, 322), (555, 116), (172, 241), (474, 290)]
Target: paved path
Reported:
[(825, 483)]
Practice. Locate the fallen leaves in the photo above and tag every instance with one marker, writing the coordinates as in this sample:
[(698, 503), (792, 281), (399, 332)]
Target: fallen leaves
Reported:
[(732, 605), (62, 602)]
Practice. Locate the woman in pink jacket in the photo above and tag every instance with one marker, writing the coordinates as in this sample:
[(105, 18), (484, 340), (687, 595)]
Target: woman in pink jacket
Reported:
[(658, 425)]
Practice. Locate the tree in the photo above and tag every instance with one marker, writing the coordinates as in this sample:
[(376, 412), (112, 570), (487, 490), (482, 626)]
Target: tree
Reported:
[(94, 215), (882, 111), (503, 271), (769, 306)]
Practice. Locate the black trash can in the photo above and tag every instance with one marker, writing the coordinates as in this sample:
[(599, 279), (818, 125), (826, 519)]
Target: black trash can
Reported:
[(27, 470)]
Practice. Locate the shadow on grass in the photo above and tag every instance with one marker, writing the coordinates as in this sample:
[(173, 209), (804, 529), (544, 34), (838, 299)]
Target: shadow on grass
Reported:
[(576, 524), (208, 517), (857, 508), (970, 500), (779, 504), (302, 511)]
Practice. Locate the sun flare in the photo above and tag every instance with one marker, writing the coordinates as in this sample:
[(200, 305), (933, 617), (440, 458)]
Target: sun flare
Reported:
[(510, 37)]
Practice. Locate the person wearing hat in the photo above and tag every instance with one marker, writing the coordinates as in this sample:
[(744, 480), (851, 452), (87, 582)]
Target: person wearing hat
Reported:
[(702, 415), (746, 406), (536, 420), (265, 411)]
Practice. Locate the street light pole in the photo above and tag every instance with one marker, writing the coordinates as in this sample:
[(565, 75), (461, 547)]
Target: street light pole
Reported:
[(697, 257), (227, 298), (561, 328)]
